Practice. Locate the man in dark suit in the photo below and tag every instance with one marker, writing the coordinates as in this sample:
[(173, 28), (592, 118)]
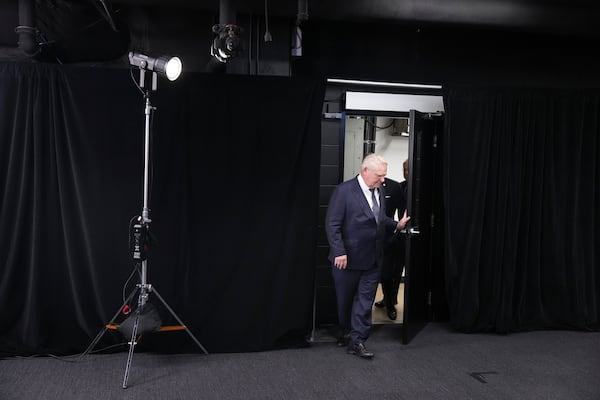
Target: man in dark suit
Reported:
[(391, 275), (356, 226)]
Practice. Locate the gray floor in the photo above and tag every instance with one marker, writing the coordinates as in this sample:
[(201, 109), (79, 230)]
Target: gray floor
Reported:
[(438, 364)]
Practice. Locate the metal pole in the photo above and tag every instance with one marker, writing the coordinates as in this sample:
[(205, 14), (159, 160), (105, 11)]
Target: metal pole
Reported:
[(147, 112), (145, 210), (144, 287)]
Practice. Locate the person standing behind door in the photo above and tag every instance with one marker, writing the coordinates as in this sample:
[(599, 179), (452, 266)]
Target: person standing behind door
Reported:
[(393, 265), (356, 226)]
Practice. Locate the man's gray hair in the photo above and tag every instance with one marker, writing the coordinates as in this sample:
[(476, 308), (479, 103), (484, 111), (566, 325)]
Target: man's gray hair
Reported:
[(373, 161)]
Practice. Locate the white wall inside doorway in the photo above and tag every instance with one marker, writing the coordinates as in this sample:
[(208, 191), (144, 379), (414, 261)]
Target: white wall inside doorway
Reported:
[(388, 142), (392, 146)]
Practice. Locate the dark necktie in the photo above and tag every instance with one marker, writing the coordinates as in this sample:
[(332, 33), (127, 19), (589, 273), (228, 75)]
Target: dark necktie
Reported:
[(375, 205)]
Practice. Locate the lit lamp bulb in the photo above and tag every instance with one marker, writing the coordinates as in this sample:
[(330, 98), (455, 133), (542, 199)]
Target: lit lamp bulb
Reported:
[(172, 67)]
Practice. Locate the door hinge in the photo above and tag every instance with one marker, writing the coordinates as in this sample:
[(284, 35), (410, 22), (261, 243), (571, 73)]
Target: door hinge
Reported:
[(435, 140), (429, 298), (432, 220)]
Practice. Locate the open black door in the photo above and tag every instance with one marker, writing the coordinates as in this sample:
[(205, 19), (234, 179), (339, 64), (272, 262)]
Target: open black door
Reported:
[(425, 131)]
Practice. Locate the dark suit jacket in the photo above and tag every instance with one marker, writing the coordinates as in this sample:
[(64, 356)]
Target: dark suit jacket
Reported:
[(395, 197), (352, 229)]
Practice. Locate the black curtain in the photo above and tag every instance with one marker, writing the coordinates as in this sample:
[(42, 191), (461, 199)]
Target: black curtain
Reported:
[(234, 179), (522, 206)]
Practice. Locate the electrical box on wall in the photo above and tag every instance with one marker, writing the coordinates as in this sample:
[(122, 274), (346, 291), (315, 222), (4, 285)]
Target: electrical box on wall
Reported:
[(400, 127)]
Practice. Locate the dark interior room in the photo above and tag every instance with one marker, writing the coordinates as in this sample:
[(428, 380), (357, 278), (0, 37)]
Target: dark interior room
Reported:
[(185, 208)]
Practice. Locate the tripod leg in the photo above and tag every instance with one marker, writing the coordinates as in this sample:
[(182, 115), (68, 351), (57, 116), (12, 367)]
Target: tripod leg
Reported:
[(179, 321), (311, 338), (131, 349), (103, 330)]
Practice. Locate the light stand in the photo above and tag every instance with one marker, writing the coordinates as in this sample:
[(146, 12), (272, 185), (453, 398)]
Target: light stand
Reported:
[(144, 221), (140, 229)]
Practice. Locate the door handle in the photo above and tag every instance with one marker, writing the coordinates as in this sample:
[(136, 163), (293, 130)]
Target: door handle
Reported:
[(413, 231)]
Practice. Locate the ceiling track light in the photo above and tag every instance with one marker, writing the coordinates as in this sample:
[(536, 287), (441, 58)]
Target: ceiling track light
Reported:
[(227, 44)]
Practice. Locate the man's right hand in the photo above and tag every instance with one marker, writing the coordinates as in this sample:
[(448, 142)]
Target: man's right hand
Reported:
[(402, 223)]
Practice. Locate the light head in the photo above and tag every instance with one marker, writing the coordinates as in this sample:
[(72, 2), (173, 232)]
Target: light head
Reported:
[(167, 66)]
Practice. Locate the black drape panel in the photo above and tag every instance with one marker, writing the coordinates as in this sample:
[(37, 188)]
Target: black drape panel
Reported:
[(523, 213), (233, 199)]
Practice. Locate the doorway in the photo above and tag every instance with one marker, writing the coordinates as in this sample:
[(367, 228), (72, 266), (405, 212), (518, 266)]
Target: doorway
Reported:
[(355, 123), (388, 135), (410, 143)]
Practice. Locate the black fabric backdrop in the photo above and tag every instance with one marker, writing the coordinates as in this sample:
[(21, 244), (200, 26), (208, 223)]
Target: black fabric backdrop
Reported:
[(233, 199), (523, 212)]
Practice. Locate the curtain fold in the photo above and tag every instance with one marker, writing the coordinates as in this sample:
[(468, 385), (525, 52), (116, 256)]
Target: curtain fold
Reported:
[(233, 200), (522, 176)]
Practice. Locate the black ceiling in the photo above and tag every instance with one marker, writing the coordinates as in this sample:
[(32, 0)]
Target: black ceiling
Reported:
[(569, 17), (80, 30)]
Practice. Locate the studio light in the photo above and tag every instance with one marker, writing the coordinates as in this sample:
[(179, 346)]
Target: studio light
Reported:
[(167, 66), (227, 44)]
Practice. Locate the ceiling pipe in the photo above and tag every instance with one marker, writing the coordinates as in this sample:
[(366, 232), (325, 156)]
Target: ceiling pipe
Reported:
[(301, 16), (268, 36), (302, 11), (26, 31), (227, 12)]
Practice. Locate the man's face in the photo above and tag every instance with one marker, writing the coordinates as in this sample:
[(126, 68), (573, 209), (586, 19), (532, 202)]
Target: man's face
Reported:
[(374, 177)]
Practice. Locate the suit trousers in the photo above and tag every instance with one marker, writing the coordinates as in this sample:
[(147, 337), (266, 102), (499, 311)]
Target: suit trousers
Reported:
[(355, 293), (391, 274)]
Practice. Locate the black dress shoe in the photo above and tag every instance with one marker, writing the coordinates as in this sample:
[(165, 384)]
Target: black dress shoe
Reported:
[(343, 340), (391, 313), (380, 304), (360, 350)]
